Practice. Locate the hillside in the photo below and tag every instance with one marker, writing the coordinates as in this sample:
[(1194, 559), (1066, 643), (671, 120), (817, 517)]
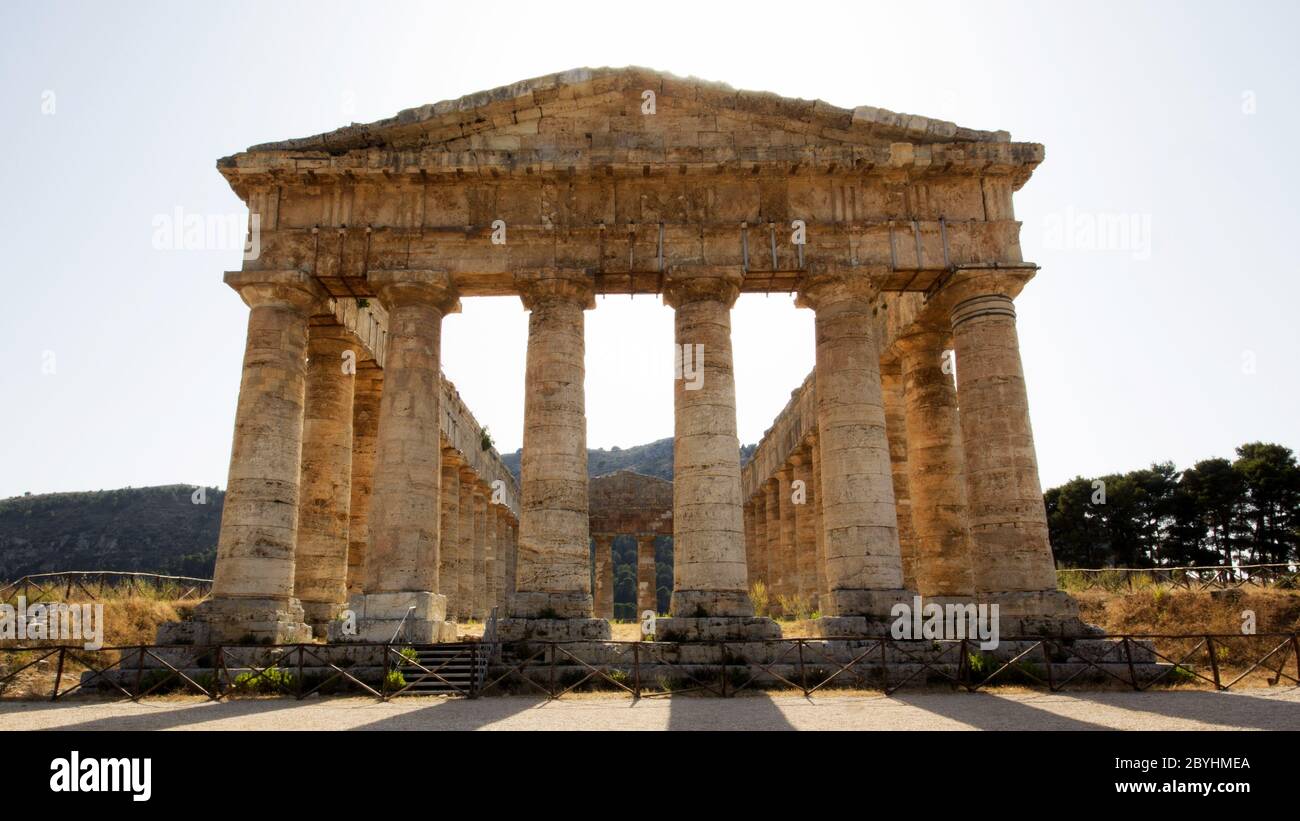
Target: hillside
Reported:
[(151, 529), (652, 459), (160, 530)]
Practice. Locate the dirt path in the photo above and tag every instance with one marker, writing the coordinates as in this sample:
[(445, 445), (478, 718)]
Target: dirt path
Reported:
[(1274, 709)]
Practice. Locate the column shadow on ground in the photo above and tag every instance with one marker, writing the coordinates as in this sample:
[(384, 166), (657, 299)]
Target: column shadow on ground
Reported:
[(750, 711), (986, 711), (181, 716), (1230, 709), (456, 713)]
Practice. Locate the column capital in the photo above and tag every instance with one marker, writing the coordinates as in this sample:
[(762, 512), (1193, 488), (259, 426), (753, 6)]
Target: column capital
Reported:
[(415, 286), (827, 284), (696, 283), (467, 474), (574, 285), (969, 283), (452, 458), (289, 288)]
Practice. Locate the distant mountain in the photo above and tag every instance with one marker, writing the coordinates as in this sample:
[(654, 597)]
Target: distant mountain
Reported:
[(653, 459), (162, 530), (149, 529)]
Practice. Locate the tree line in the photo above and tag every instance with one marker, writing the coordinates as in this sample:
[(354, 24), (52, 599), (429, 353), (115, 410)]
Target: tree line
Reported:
[(1216, 512)]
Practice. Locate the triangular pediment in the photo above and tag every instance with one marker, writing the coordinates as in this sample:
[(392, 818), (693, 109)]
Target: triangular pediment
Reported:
[(629, 108)]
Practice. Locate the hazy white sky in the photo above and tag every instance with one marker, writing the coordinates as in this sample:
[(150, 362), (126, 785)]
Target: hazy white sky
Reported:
[(1175, 341)]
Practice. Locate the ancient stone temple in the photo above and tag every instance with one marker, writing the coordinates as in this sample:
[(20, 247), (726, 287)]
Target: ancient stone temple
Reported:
[(368, 490), (629, 504)]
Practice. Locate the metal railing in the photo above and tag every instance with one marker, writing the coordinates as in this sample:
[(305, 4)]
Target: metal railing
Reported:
[(652, 669), (41, 586)]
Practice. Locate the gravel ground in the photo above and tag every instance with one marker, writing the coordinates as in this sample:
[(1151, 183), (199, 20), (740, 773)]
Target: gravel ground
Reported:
[(1272, 709)]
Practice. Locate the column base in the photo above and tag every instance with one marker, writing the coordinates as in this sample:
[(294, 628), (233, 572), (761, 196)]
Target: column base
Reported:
[(240, 621), (544, 606), (413, 616), (530, 629), (711, 604), (717, 628)]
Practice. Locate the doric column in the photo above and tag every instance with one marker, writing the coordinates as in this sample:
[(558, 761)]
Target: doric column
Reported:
[(253, 584), (863, 562), (501, 555), (449, 542), (321, 556), (512, 559), (481, 540), (935, 465), (554, 577), (891, 386), (402, 561), (647, 588), (819, 532), (758, 545), (747, 516), (465, 553), (805, 529), (604, 575), (708, 538), (772, 533), (1012, 556), (786, 564), (368, 387), (490, 556)]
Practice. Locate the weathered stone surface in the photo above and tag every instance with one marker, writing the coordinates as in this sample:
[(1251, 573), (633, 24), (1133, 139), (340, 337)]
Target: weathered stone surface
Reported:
[(553, 578), (402, 561), (647, 595), (909, 228), (321, 555), (708, 537), (858, 514), (253, 587), (368, 387), (935, 468)]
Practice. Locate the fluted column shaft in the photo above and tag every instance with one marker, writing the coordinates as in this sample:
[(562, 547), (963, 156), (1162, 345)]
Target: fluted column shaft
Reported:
[(403, 553), (604, 575), (552, 565), (254, 576), (805, 529), (863, 557), (321, 555), (465, 552), (1007, 517), (786, 586), (772, 531), (450, 542), (481, 541), (819, 533), (936, 469), (708, 537), (647, 588), (368, 388), (758, 545), (891, 385)]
